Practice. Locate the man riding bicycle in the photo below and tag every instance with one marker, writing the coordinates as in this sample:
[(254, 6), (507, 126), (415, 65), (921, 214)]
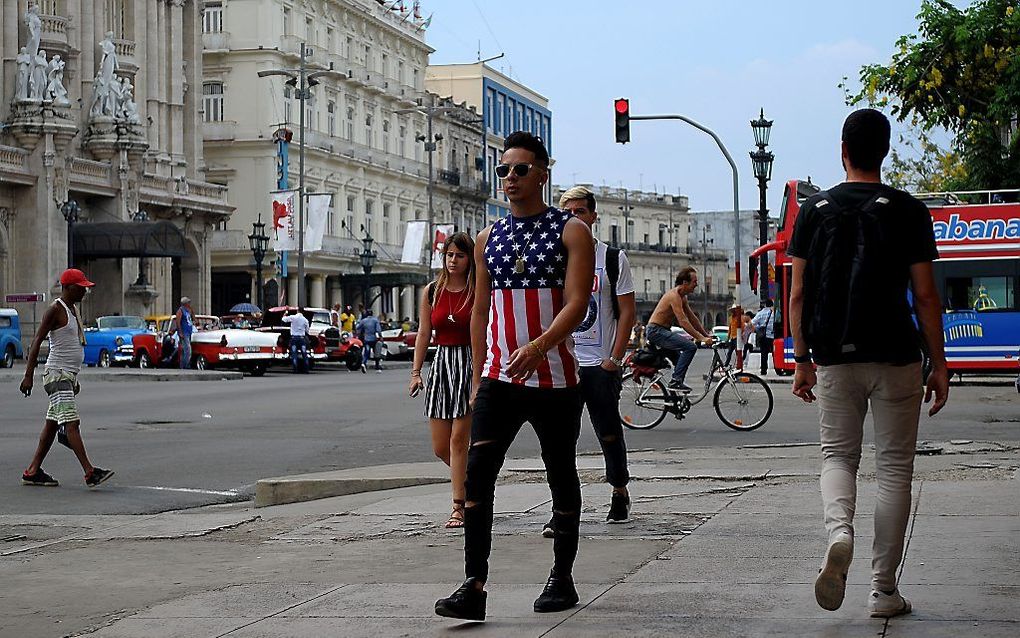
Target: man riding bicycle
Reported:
[(673, 305)]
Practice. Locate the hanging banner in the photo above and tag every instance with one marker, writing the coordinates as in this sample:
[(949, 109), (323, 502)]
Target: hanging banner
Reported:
[(414, 238), (284, 221), (317, 208), (439, 244)]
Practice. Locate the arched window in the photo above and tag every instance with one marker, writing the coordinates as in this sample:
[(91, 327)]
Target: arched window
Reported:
[(212, 102)]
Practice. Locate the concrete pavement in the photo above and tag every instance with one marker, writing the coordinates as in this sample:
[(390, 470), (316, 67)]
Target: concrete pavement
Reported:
[(724, 542)]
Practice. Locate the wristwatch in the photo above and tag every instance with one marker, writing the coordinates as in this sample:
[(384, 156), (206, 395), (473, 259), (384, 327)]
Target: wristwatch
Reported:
[(618, 362), (802, 359)]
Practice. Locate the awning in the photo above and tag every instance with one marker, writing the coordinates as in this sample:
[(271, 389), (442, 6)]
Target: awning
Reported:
[(128, 239)]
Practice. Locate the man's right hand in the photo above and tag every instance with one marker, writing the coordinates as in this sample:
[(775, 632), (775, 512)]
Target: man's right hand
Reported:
[(938, 384), (26, 384), (804, 381)]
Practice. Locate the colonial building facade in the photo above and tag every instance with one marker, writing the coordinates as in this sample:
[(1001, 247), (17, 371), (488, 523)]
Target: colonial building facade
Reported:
[(365, 144), (657, 234), (100, 144), (717, 227), (506, 106)]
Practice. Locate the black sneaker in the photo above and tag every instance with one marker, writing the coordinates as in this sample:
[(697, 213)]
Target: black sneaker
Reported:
[(467, 603), (97, 476), (619, 509), (559, 594), (40, 478), (548, 531), (678, 386)]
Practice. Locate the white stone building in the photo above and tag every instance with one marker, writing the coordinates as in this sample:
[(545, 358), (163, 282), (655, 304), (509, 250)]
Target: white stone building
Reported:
[(361, 145), (115, 131), (717, 226), (655, 230)]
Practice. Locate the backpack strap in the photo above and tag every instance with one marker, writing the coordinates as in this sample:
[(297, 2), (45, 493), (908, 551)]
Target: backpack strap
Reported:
[(613, 268)]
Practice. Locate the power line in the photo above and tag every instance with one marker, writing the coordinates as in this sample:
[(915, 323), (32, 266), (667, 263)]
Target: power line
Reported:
[(486, 22)]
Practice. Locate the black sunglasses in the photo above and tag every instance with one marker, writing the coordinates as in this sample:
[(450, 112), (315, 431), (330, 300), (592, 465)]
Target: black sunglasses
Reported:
[(520, 170)]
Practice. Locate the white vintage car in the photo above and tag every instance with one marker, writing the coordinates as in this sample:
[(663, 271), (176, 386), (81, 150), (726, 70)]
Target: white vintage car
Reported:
[(212, 346)]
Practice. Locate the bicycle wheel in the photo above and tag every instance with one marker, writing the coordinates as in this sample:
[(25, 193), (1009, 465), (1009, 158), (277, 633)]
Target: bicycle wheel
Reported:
[(642, 403), (745, 403)]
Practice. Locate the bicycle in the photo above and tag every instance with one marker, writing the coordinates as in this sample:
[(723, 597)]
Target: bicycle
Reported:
[(742, 400)]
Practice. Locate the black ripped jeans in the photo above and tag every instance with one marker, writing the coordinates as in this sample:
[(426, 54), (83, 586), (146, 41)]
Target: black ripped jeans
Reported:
[(601, 391), (499, 412)]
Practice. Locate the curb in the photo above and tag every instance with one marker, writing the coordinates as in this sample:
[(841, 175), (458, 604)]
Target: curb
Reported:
[(281, 490), (977, 382), (89, 374)]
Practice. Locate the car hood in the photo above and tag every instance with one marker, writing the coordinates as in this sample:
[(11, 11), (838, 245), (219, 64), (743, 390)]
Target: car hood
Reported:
[(236, 337)]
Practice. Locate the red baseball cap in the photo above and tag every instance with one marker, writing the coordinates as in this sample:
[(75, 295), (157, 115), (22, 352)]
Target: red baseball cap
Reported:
[(75, 276)]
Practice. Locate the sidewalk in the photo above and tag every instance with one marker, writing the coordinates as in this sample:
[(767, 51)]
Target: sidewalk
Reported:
[(724, 542)]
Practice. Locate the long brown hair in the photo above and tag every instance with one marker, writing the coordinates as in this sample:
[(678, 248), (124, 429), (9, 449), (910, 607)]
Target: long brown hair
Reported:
[(463, 242)]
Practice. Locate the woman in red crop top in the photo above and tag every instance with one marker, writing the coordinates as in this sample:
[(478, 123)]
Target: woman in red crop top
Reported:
[(446, 309)]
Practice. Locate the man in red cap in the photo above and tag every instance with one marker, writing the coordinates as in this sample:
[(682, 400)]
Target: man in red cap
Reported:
[(60, 379)]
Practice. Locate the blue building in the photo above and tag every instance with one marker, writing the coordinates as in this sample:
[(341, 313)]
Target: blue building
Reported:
[(506, 106)]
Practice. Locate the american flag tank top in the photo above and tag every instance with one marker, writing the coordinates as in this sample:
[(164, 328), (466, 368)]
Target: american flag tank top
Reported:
[(527, 264)]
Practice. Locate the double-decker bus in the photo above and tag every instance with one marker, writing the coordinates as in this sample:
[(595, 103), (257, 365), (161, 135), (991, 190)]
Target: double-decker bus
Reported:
[(977, 275)]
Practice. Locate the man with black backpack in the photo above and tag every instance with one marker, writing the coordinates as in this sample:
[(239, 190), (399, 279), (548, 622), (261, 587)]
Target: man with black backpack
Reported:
[(856, 248), (600, 344)]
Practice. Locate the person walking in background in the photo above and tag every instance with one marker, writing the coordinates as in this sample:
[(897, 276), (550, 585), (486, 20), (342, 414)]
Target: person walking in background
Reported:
[(61, 325), (764, 333), (534, 273), (747, 334), (347, 320), (857, 247), (298, 344), (371, 332), (446, 308), (600, 343), (183, 325), (334, 316)]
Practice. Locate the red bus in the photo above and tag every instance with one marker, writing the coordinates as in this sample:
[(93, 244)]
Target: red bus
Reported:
[(977, 274)]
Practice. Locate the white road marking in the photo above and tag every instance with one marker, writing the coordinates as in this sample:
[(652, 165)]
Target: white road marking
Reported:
[(189, 490)]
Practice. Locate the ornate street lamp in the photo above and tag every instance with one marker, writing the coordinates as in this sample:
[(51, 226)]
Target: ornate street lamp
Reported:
[(367, 262), (70, 211), (143, 275), (259, 243), (761, 164)]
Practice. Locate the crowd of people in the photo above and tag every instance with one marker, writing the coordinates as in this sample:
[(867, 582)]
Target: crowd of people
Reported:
[(532, 321)]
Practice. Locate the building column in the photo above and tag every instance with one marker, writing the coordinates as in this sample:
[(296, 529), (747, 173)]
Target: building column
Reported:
[(292, 290), (317, 298)]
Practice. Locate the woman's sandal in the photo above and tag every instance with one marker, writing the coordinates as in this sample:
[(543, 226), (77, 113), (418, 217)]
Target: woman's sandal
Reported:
[(457, 517)]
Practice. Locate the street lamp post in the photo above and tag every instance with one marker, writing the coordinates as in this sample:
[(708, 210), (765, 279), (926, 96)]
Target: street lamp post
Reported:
[(259, 243), (705, 241), (143, 276), (302, 81), (761, 163), (368, 258), (70, 211), (430, 139)]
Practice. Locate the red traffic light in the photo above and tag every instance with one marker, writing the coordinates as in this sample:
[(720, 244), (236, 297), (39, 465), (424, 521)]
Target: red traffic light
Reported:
[(622, 105), (622, 108)]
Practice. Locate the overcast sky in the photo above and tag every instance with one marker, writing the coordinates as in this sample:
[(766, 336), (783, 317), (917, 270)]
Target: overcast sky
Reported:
[(715, 61)]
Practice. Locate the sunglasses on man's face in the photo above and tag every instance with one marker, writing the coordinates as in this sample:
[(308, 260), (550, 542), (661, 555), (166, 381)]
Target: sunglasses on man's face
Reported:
[(520, 170)]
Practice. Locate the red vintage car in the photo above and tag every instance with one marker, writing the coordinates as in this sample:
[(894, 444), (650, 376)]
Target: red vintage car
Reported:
[(318, 333), (212, 346)]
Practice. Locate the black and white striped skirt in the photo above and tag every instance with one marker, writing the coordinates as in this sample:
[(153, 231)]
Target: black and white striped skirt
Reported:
[(448, 390)]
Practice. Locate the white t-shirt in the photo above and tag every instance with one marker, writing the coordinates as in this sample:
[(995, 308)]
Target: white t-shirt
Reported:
[(593, 339), (298, 324)]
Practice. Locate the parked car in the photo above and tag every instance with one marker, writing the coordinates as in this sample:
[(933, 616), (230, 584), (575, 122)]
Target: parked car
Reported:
[(394, 345), (721, 333), (410, 336), (212, 346), (110, 341), (318, 333), (10, 337)]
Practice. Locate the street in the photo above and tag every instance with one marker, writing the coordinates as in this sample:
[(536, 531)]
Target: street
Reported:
[(183, 444)]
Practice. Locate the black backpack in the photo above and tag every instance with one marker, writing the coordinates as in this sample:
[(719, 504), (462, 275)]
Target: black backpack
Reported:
[(844, 255), (613, 267)]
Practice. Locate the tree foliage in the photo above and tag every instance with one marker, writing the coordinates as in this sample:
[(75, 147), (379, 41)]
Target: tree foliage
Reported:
[(961, 72)]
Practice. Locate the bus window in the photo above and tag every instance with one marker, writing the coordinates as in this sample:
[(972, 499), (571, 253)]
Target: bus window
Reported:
[(783, 209), (980, 286)]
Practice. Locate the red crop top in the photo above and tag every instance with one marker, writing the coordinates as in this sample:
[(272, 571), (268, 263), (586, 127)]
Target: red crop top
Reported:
[(451, 318)]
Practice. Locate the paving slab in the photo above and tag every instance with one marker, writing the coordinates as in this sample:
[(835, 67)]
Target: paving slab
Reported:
[(748, 571), (494, 627), (585, 625), (306, 487), (160, 628), (912, 628)]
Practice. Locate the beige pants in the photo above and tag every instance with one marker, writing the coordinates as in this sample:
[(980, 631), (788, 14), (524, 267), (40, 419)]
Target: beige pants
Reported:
[(895, 393)]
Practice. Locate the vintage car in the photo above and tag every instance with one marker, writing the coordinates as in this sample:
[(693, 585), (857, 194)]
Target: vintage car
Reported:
[(212, 346), (10, 338), (109, 342), (395, 346), (408, 337), (323, 338)]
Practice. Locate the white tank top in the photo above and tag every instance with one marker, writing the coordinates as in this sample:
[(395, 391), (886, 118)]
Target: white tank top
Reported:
[(66, 351)]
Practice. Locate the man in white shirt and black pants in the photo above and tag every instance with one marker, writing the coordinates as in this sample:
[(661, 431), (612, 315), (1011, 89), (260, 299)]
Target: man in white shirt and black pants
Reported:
[(600, 344), (298, 339)]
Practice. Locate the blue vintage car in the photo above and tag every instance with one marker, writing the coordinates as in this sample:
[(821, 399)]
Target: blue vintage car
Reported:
[(10, 338), (109, 342)]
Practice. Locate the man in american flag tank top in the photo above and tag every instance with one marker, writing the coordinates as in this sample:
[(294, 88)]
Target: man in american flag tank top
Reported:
[(534, 272)]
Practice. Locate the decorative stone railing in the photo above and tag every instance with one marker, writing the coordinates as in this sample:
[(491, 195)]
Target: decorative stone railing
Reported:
[(12, 159), (90, 170)]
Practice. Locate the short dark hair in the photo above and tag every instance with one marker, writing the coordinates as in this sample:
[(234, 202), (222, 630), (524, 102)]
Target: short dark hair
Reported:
[(529, 142), (866, 134), (685, 274), (769, 303)]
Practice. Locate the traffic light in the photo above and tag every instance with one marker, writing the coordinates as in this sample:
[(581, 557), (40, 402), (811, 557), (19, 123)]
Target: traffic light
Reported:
[(622, 108)]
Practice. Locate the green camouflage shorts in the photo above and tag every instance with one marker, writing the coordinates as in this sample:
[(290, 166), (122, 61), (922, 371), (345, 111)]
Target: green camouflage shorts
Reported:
[(61, 386)]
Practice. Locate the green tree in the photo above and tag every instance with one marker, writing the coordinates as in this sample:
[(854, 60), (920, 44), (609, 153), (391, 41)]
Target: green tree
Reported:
[(961, 72)]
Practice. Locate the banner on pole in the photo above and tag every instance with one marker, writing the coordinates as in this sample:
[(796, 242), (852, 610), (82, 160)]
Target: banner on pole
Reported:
[(284, 221), (414, 238), (318, 211), (439, 244)]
